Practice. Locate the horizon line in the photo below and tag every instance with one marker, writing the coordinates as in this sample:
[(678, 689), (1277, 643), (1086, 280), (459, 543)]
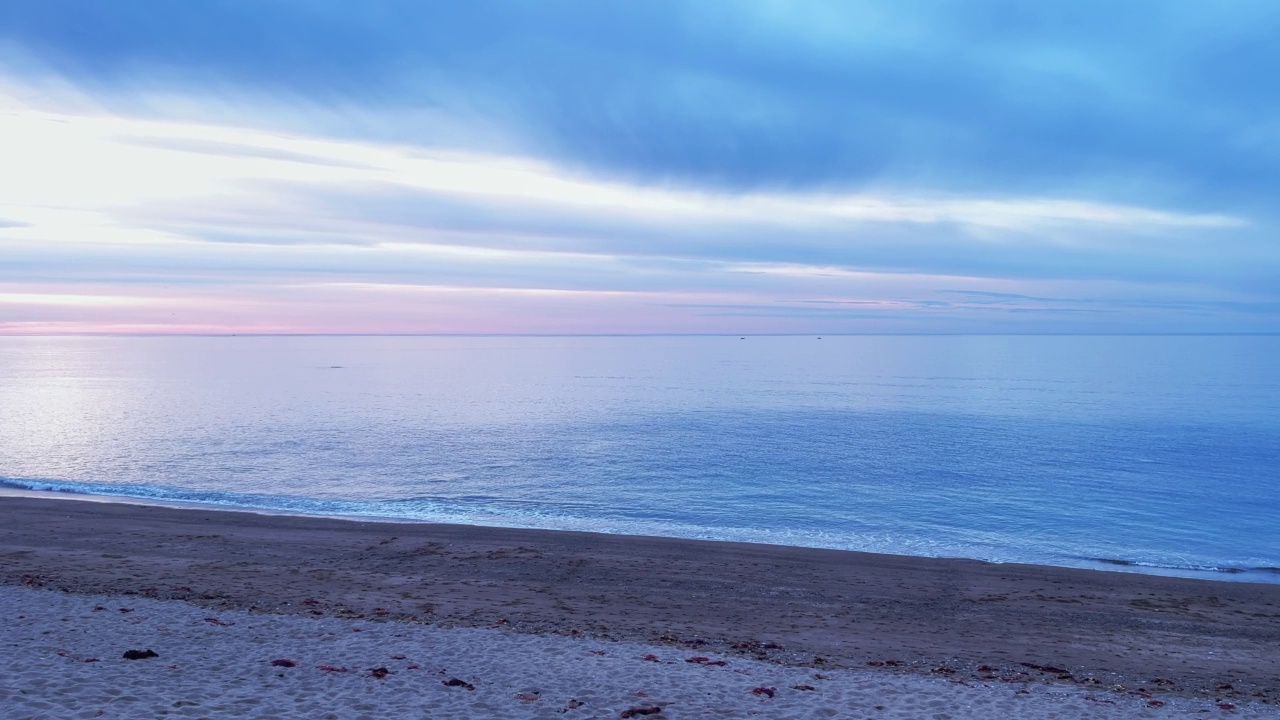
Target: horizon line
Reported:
[(659, 334)]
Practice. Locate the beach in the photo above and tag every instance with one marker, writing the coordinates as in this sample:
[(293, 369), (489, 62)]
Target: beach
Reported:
[(566, 624)]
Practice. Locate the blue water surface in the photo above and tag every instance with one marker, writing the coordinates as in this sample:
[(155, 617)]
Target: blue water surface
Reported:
[(1157, 454)]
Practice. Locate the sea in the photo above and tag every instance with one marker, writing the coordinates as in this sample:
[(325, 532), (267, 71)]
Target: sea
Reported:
[(1157, 454)]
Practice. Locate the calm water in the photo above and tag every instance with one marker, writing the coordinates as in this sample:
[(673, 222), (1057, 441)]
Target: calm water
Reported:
[(1158, 451)]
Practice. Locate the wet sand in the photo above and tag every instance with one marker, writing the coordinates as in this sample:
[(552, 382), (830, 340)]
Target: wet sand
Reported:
[(1120, 634)]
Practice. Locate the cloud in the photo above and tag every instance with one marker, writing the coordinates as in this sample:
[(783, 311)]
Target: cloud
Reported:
[(253, 187), (670, 165), (1141, 103), (69, 299), (230, 149)]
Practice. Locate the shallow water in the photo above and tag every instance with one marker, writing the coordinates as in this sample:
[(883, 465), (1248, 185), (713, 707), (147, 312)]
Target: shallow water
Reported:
[(1156, 454)]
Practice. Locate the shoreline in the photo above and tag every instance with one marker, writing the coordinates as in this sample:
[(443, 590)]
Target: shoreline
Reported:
[(1262, 575), (796, 607)]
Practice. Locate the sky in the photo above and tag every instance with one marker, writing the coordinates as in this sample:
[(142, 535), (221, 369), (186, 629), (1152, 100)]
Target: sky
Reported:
[(706, 166)]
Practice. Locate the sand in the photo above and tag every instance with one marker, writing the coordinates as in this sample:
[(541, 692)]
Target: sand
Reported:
[(566, 618), (64, 660)]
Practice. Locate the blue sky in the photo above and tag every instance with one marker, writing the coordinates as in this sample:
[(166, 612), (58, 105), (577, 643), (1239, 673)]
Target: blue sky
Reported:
[(980, 166)]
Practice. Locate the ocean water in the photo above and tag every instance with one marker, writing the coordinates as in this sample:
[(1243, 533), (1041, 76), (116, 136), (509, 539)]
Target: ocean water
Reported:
[(1149, 454)]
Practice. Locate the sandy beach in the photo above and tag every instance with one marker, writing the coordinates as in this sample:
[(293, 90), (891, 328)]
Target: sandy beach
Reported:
[(560, 624)]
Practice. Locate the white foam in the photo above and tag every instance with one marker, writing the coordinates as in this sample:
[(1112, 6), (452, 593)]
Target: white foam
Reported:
[(223, 669)]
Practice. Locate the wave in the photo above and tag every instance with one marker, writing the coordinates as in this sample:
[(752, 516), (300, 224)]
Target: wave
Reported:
[(435, 509), (462, 509), (248, 501), (1185, 567), (469, 509), (507, 512)]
